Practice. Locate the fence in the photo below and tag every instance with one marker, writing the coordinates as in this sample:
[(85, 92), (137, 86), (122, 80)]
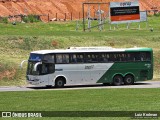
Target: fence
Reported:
[(55, 17), (64, 16), (47, 17)]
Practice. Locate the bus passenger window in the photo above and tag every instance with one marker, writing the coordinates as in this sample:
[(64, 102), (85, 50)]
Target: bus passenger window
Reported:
[(88, 58), (91, 57), (80, 58), (123, 57), (95, 58), (52, 58), (103, 57), (111, 58), (73, 58), (65, 58), (148, 56), (137, 56), (145, 56), (49, 58), (62, 58), (131, 57), (58, 58)]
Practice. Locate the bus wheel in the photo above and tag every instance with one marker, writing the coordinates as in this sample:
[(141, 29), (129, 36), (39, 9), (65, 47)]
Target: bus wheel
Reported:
[(59, 83), (128, 80), (117, 80)]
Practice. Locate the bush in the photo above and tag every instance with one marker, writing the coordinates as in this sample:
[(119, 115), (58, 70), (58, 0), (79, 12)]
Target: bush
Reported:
[(149, 15), (157, 14), (5, 20), (31, 18)]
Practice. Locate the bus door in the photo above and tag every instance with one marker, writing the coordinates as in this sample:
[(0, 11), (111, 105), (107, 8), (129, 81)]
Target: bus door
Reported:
[(44, 72), (47, 70), (48, 67)]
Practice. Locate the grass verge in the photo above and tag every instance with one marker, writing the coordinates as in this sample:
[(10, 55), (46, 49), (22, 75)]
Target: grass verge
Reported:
[(82, 100)]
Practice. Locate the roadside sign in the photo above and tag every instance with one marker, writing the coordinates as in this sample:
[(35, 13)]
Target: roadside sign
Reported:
[(124, 12)]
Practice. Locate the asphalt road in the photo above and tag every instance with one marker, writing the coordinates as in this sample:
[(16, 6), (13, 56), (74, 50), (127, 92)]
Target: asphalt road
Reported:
[(146, 84)]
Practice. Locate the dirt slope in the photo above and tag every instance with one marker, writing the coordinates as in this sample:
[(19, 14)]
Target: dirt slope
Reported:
[(51, 7)]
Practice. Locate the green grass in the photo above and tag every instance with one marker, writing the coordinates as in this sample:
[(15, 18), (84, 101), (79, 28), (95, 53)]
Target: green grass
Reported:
[(17, 41), (82, 100)]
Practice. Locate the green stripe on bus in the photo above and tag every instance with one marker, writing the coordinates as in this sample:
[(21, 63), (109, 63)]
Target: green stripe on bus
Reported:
[(138, 69)]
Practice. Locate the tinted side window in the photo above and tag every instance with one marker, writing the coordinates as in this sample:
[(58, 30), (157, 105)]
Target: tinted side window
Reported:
[(91, 57), (145, 56), (139, 56), (49, 58), (124, 57), (76, 58), (103, 57), (119, 57), (62, 58)]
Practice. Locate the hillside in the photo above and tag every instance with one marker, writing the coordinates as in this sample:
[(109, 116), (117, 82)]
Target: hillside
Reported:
[(51, 7), (17, 41)]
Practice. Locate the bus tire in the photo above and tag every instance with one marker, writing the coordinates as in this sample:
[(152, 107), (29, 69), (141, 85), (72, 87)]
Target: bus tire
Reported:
[(59, 83), (129, 80), (117, 80)]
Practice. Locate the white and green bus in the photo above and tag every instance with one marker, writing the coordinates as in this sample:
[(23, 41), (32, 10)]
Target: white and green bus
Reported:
[(89, 65)]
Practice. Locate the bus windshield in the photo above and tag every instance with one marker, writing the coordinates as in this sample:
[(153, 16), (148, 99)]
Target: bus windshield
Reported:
[(35, 57), (30, 70)]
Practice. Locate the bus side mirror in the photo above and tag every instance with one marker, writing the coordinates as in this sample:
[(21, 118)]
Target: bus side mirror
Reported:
[(35, 66), (21, 65)]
